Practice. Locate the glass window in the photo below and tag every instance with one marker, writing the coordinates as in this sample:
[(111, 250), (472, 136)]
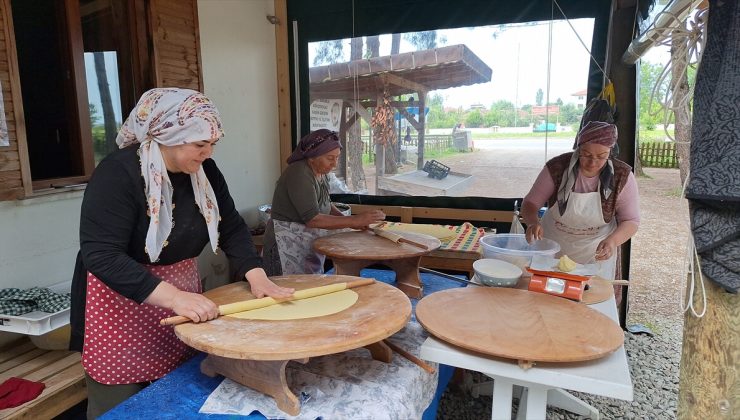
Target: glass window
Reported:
[(76, 74), (482, 108)]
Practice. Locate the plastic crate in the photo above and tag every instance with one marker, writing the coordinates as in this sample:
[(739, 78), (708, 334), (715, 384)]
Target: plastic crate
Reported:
[(37, 322), (435, 169)]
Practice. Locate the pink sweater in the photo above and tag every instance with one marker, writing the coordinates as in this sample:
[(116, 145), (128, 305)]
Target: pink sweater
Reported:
[(628, 201)]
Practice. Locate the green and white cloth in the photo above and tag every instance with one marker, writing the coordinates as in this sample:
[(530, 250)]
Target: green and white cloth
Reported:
[(16, 302)]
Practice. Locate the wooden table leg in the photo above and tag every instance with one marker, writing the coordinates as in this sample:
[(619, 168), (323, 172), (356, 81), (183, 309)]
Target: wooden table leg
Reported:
[(380, 351), (407, 276), (265, 376), (349, 267)]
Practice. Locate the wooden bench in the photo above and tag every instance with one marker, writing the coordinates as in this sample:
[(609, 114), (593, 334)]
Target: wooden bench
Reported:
[(60, 370)]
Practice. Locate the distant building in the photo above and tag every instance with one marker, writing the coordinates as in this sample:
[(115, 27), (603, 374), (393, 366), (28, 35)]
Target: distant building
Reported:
[(580, 98), (477, 106), (541, 111)]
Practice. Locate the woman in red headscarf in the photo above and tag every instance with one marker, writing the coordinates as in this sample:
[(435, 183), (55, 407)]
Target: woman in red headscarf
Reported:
[(592, 198), (302, 210)]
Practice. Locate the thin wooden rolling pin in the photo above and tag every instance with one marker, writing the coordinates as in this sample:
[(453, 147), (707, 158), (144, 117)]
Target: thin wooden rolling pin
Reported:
[(397, 238), (248, 305)]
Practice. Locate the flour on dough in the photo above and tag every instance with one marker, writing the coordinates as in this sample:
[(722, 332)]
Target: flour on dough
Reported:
[(304, 308)]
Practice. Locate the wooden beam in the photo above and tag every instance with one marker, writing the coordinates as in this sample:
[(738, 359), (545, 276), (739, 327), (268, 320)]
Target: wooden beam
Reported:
[(404, 83), (410, 118), (283, 82), (362, 111)]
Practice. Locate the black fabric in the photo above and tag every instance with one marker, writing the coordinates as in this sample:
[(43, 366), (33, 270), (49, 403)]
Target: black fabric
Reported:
[(114, 223), (714, 181)]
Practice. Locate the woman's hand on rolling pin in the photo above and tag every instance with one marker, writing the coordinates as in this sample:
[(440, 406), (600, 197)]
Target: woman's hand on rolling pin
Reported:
[(533, 232), (194, 306), (262, 286), (605, 250), (366, 219)]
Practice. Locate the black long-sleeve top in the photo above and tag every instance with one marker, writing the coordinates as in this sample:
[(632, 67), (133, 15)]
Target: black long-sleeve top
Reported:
[(114, 223)]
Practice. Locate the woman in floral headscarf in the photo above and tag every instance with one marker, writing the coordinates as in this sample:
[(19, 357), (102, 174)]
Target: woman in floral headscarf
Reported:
[(592, 198), (301, 209), (148, 211)]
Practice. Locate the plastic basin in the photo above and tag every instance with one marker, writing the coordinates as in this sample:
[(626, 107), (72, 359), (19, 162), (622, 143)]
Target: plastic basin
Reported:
[(514, 248)]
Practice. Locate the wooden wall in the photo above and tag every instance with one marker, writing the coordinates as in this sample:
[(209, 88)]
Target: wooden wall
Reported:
[(174, 28), (176, 62), (13, 176)]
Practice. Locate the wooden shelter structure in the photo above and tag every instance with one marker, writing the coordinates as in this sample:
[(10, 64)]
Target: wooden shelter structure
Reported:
[(361, 84)]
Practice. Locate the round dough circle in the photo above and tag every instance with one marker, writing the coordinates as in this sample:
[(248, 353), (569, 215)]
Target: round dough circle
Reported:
[(316, 306)]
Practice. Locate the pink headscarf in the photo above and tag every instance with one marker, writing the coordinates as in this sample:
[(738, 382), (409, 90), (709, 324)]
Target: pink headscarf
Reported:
[(597, 132), (315, 143), (594, 132)]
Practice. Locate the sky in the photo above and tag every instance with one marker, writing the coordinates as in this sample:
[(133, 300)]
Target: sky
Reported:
[(518, 58)]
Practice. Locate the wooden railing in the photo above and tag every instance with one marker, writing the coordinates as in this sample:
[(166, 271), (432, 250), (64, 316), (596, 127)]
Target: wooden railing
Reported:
[(658, 154), (433, 143)]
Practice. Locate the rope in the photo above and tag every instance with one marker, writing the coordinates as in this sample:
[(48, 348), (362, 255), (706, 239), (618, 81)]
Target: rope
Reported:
[(581, 40), (692, 38), (693, 265)]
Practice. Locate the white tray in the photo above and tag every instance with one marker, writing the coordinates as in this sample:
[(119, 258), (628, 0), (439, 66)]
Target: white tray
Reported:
[(37, 322)]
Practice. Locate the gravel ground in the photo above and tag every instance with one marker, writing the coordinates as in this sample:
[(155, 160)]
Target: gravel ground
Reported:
[(657, 277)]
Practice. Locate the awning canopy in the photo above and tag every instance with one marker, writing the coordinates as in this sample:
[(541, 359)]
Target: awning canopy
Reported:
[(406, 73)]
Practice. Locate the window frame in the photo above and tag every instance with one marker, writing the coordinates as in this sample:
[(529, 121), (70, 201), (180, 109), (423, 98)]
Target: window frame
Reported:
[(75, 90)]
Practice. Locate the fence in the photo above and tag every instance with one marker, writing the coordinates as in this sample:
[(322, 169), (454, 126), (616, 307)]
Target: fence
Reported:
[(433, 143), (658, 155)]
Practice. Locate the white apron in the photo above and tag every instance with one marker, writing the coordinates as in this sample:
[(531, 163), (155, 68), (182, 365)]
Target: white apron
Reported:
[(580, 230), (295, 245)]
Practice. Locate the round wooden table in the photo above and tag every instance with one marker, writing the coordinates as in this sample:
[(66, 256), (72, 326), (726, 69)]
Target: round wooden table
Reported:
[(519, 324), (353, 251), (255, 352)]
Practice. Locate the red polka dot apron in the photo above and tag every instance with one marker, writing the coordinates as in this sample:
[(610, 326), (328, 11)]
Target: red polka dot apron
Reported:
[(124, 342)]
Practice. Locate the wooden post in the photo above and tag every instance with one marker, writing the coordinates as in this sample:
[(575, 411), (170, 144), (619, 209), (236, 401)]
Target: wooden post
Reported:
[(709, 386)]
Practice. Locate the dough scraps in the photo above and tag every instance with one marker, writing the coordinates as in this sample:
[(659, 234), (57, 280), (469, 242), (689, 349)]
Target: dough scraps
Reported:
[(316, 306), (566, 264)]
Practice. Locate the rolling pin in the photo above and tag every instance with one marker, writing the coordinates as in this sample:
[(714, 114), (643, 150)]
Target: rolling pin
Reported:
[(397, 238), (248, 305)]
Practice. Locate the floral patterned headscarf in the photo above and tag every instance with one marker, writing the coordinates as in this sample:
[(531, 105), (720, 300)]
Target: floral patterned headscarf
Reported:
[(170, 117)]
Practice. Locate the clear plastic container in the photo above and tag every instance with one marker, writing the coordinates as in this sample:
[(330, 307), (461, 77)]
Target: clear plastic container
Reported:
[(514, 248)]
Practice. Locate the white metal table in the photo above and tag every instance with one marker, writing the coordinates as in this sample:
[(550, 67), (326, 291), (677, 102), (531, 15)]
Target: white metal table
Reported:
[(545, 383)]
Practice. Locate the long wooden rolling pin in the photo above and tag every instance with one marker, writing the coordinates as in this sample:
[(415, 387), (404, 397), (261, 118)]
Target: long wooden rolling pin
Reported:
[(397, 238), (248, 305)]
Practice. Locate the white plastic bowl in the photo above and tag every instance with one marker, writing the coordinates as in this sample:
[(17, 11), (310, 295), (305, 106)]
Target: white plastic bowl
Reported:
[(493, 272), (514, 248)]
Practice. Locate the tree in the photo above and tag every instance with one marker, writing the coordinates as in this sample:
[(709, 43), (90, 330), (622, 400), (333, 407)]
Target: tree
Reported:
[(373, 46), (395, 43), (425, 40), (681, 107), (329, 52), (649, 108), (355, 145), (539, 96), (474, 119)]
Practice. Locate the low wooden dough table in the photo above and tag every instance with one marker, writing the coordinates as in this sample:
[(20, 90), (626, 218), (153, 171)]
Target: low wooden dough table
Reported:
[(353, 251), (255, 352)]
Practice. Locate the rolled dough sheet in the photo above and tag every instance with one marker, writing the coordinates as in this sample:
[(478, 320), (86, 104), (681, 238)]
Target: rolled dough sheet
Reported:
[(304, 308)]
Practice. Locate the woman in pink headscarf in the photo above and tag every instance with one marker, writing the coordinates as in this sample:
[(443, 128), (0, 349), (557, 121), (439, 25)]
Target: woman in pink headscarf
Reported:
[(302, 210), (149, 210), (592, 199)]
